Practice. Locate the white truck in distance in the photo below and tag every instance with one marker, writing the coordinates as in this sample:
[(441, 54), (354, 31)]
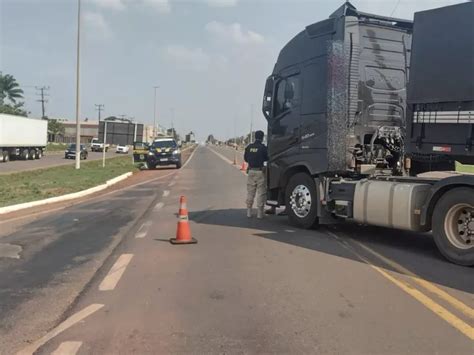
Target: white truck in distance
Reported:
[(97, 146), (22, 138)]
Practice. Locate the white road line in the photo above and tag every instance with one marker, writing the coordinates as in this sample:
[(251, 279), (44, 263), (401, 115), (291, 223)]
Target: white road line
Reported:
[(171, 184), (75, 318), (221, 156), (227, 160), (289, 230), (143, 230), (68, 348), (114, 275), (166, 193), (190, 158), (159, 206)]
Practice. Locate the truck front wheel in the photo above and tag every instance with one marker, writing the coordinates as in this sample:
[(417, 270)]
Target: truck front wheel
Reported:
[(301, 201), (453, 226)]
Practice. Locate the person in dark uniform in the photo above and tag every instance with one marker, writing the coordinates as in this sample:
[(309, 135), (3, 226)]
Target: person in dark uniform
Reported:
[(256, 154)]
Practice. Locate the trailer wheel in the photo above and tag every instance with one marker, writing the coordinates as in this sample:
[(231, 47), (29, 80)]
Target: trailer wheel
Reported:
[(25, 155), (453, 226), (32, 154), (39, 154), (6, 156), (301, 201)]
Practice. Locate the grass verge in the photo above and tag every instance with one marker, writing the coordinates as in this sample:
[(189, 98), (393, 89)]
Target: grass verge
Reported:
[(60, 180), (464, 168), (56, 147)]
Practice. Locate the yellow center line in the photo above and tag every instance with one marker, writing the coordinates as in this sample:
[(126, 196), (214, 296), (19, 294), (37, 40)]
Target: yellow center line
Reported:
[(468, 311), (439, 310)]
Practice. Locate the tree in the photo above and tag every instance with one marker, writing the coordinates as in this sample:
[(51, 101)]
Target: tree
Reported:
[(9, 89), (55, 127), (211, 139), (15, 109)]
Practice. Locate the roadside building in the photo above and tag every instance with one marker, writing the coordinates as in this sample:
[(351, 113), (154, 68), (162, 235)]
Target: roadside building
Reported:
[(89, 130)]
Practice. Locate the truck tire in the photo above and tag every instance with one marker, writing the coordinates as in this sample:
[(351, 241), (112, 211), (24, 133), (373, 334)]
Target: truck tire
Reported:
[(39, 154), (5, 156), (32, 154), (301, 201), (453, 225), (25, 155)]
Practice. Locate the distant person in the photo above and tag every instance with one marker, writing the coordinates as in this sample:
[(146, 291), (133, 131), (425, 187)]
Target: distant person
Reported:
[(256, 155)]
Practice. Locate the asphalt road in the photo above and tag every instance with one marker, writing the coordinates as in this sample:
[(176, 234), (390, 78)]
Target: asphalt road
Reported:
[(49, 160), (248, 286)]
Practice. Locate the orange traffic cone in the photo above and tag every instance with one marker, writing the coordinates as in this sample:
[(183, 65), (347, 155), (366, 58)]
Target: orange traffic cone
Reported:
[(183, 231), (183, 206), (244, 166)]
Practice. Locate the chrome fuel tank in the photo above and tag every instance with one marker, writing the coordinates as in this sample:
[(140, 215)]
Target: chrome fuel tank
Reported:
[(389, 203)]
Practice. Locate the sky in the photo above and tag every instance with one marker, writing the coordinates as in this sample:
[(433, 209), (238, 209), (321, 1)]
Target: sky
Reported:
[(210, 58)]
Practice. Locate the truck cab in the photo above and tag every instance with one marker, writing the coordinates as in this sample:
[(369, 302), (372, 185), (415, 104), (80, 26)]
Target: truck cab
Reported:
[(345, 137), (335, 101)]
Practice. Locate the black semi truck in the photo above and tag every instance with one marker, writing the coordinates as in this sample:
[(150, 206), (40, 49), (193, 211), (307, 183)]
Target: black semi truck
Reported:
[(360, 107)]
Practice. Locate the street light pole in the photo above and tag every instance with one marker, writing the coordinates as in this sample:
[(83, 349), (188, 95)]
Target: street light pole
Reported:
[(154, 113), (78, 123), (105, 143)]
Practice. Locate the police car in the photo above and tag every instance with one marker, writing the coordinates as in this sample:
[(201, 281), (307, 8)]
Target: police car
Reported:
[(164, 151)]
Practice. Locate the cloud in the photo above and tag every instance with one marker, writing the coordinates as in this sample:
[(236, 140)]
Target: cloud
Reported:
[(233, 33), (96, 26), (161, 6), (109, 4), (222, 3), (189, 58)]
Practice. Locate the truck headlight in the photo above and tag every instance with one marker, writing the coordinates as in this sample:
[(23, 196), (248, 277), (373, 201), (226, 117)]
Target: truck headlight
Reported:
[(177, 151), (150, 153)]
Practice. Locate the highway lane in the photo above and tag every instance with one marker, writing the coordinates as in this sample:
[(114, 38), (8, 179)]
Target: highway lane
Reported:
[(49, 160), (252, 286), (416, 252), (55, 255)]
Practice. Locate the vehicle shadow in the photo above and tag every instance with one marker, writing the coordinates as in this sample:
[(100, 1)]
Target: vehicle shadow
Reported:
[(415, 252)]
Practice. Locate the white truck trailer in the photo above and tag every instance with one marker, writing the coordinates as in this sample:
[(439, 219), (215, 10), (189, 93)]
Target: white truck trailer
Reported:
[(22, 138)]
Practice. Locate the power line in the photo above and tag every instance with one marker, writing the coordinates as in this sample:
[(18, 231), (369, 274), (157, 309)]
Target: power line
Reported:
[(395, 8), (42, 94)]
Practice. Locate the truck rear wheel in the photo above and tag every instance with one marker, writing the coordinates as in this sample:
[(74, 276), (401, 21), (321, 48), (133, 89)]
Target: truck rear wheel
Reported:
[(453, 226), (25, 155), (301, 201), (5, 156), (32, 154)]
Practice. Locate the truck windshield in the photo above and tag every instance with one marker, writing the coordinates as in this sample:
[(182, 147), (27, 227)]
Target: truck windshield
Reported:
[(164, 144)]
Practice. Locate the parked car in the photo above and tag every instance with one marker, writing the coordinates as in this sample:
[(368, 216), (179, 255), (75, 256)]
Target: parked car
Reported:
[(164, 151), (123, 149), (70, 152)]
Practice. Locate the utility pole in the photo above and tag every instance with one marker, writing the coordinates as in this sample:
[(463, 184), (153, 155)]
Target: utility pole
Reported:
[(42, 94), (99, 108), (78, 123), (154, 112)]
